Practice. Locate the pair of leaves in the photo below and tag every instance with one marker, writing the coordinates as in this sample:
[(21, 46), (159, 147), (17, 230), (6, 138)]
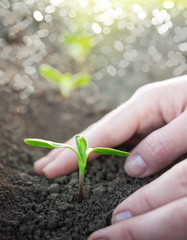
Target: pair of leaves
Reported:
[(82, 149), (67, 82)]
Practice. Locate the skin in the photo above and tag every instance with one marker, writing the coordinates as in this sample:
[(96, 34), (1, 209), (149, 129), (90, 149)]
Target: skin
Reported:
[(155, 118)]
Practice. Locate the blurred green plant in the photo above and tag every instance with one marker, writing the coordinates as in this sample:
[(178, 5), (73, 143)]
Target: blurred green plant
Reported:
[(78, 45), (82, 152), (66, 82)]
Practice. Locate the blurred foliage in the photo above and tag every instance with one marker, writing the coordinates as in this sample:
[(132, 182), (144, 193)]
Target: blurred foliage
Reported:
[(78, 45), (134, 42), (67, 82)]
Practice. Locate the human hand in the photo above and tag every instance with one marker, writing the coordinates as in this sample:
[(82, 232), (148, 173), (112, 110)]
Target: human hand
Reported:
[(155, 211), (156, 112)]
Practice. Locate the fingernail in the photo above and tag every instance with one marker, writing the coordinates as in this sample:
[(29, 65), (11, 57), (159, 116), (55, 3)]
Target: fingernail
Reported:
[(121, 216), (136, 166)]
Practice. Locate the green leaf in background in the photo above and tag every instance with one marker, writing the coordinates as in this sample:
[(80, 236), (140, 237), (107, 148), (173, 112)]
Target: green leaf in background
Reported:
[(50, 73), (80, 80), (67, 82), (109, 151), (78, 45)]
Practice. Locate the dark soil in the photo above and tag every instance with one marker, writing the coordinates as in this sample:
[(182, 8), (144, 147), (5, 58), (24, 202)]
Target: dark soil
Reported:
[(33, 207)]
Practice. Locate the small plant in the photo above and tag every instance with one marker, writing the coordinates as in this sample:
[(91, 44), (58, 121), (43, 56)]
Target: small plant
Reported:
[(67, 82), (82, 152), (78, 45)]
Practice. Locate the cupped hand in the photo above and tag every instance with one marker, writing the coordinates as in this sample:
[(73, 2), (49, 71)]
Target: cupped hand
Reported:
[(156, 111), (155, 211)]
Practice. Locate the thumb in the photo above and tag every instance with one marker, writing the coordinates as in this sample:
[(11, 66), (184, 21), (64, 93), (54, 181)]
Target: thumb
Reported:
[(159, 149)]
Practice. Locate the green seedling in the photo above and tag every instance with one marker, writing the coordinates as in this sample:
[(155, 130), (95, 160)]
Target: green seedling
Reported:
[(67, 82), (82, 152), (78, 45)]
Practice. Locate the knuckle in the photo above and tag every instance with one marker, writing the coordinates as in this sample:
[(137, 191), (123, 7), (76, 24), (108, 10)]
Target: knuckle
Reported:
[(140, 93), (181, 218), (180, 171), (145, 89), (146, 198), (127, 233), (159, 148), (184, 211)]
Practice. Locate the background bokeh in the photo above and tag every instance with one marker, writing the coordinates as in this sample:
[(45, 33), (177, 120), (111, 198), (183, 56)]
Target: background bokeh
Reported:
[(134, 43)]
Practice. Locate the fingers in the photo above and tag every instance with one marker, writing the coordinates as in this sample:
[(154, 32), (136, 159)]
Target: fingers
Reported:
[(159, 148), (137, 115), (171, 186), (115, 128), (165, 223), (156, 211)]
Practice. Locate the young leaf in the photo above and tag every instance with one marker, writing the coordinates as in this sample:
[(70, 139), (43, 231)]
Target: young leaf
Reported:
[(82, 149), (80, 80), (108, 151), (50, 73), (81, 145), (46, 144)]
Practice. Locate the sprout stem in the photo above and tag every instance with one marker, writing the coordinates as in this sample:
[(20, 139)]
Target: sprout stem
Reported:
[(81, 183)]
